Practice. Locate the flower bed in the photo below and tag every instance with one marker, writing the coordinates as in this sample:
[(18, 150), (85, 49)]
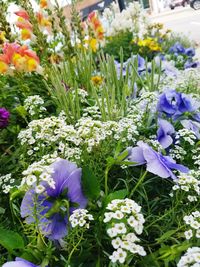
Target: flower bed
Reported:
[(99, 136)]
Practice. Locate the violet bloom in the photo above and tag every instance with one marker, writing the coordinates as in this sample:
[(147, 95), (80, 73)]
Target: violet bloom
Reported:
[(19, 262), (189, 64), (174, 104), (156, 163), (4, 117), (53, 205), (190, 52), (164, 133), (177, 48)]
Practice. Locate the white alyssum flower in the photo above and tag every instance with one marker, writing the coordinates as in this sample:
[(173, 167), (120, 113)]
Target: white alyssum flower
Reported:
[(124, 220), (193, 220), (80, 218), (190, 258), (34, 105)]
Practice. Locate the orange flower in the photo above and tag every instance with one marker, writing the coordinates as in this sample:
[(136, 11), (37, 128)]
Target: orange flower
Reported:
[(44, 22), (26, 34), (43, 3), (23, 14), (24, 24)]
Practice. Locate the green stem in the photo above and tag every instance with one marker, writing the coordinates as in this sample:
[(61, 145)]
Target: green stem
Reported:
[(74, 248), (141, 179), (106, 179)]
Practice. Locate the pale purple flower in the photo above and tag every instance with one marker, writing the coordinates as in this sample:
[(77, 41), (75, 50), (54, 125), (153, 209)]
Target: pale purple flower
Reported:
[(19, 262), (193, 126), (164, 133), (4, 117), (155, 162), (53, 205), (174, 104)]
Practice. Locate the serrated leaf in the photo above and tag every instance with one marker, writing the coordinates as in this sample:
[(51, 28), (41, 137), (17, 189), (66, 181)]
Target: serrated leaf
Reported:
[(120, 194), (10, 240), (91, 185)]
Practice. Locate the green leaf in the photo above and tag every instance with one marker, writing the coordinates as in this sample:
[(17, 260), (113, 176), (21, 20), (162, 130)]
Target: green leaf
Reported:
[(10, 240), (116, 195), (166, 235), (91, 185)]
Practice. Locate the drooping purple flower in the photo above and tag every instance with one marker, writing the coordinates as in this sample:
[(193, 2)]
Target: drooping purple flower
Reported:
[(156, 163), (177, 48), (164, 133), (4, 117), (19, 262), (174, 104), (53, 205)]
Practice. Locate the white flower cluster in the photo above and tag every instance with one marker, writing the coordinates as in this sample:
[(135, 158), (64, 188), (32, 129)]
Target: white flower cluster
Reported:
[(186, 80), (34, 105), (38, 174), (81, 218), (191, 258), (183, 138), (193, 220), (92, 112), (131, 19), (124, 221), (6, 183), (189, 183), (82, 95), (53, 133), (196, 155), (92, 132)]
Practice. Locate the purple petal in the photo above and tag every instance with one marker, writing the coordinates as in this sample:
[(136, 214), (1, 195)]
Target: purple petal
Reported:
[(19, 263), (136, 156), (164, 132), (74, 193), (62, 169)]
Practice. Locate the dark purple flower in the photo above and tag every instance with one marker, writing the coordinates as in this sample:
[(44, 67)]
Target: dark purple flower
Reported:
[(156, 163), (174, 104), (190, 64), (4, 117), (53, 205), (190, 52), (177, 48), (19, 262), (164, 133)]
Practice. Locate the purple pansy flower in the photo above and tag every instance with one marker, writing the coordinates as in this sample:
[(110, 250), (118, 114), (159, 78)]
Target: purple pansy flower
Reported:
[(53, 205), (19, 262), (156, 163), (190, 52), (174, 104), (164, 133), (4, 117), (190, 64), (177, 48)]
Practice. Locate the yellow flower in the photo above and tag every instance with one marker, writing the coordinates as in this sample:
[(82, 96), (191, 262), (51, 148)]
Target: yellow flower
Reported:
[(97, 80), (43, 3), (2, 36), (3, 67), (31, 64)]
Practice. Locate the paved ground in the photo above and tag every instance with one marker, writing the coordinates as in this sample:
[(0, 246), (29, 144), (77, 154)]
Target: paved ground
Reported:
[(183, 20)]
